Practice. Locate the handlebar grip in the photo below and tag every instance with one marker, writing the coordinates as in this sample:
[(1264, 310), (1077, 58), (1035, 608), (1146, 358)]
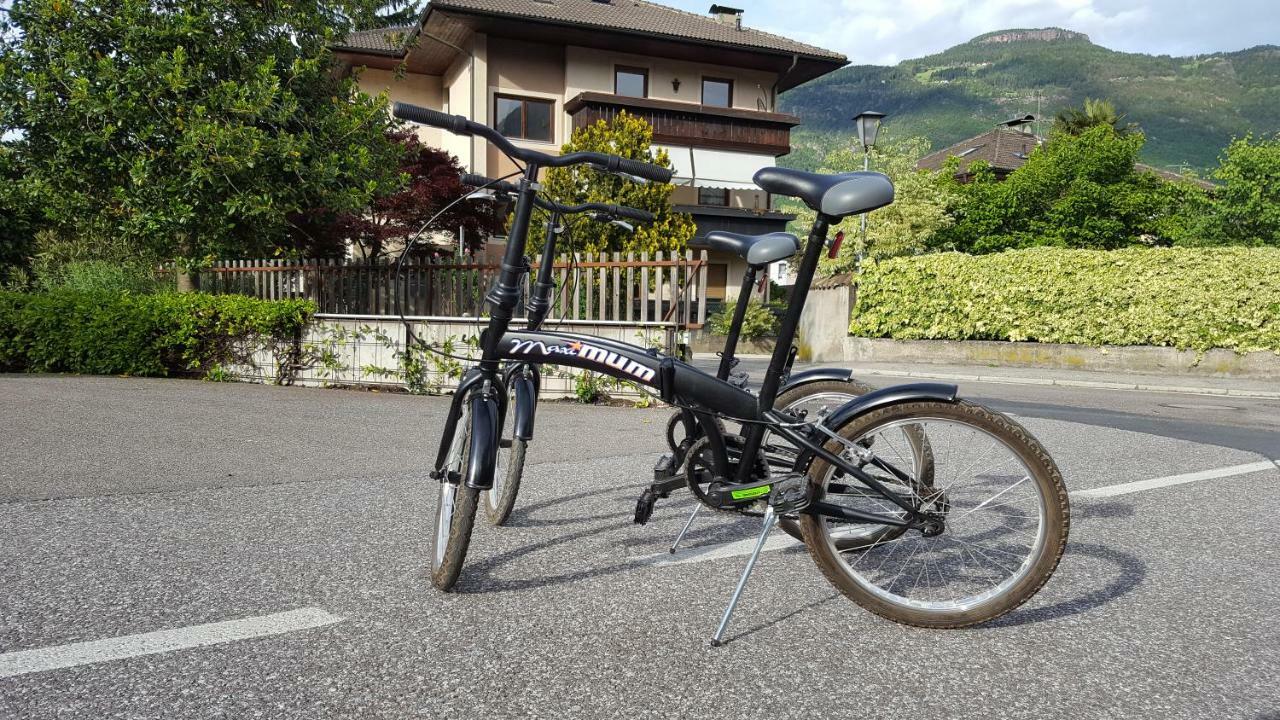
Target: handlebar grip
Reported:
[(622, 211), (455, 124), (480, 181), (648, 171)]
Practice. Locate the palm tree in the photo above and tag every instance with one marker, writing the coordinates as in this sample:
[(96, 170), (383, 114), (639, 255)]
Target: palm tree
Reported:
[(1074, 121)]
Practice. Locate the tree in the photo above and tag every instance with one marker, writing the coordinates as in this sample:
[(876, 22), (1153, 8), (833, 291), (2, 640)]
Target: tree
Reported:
[(433, 183), (395, 13), (17, 220), (1078, 191), (630, 137), (919, 209), (1246, 208), (189, 128), (1074, 121)]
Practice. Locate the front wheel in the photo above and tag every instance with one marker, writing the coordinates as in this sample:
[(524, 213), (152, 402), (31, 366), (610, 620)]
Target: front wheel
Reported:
[(998, 517), (455, 509)]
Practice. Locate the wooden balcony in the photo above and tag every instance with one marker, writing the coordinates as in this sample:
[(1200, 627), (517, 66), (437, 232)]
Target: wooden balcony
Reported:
[(688, 124)]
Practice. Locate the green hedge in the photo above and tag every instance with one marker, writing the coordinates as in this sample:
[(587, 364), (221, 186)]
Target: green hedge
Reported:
[(1189, 298), (125, 334)]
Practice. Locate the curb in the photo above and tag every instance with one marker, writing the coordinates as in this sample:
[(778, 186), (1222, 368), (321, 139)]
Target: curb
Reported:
[(1098, 385)]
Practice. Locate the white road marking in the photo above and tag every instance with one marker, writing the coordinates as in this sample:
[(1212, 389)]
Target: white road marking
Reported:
[(782, 541), (22, 662), (1140, 485)]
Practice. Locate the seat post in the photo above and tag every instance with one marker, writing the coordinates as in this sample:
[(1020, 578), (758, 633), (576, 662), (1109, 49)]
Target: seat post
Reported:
[(786, 337), (735, 329)]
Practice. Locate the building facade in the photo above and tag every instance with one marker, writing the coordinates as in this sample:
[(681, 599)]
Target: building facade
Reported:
[(537, 69)]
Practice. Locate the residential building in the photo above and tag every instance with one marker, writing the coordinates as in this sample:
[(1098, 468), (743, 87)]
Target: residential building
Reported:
[(1003, 148), (538, 69)]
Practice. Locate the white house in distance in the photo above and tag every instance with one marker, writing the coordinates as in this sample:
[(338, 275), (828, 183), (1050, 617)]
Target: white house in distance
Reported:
[(537, 69)]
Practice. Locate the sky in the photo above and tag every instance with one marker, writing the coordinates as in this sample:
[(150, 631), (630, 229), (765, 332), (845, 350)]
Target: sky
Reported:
[(883, 32)]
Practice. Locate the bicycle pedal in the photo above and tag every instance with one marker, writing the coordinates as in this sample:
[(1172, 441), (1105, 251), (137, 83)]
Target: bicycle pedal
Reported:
[(644, 506), (789, 494)]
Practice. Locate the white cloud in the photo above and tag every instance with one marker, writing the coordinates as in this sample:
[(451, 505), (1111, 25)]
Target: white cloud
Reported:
[(886, 31)]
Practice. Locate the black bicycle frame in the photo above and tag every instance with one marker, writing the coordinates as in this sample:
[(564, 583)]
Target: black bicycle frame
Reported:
[(675, 381)]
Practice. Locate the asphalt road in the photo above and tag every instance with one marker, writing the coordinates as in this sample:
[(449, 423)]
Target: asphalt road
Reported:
[(131, 507)]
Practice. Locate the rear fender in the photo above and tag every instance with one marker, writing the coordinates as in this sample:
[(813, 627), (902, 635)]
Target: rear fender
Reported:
[(813, 375), (884, 397)]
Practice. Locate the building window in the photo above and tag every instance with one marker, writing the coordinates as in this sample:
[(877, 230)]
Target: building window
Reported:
[(718, 197), (716, 92), (717, 282), (523, 118), (631, 81)]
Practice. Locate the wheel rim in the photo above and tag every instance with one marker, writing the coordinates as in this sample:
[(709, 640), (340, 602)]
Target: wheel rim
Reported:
[(454, 462), (444, 515), (995, 514)]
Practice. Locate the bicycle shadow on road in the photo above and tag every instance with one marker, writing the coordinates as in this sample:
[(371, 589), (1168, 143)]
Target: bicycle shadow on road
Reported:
[(1132, 571), (480, 578)]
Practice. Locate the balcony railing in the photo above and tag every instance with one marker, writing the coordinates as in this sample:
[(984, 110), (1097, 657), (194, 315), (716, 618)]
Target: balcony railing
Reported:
[(692, 125)]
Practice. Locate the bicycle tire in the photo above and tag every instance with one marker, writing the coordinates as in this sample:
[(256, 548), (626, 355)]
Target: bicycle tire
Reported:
[(499, 503), (1047, 480), (500, 500), (460, 502)]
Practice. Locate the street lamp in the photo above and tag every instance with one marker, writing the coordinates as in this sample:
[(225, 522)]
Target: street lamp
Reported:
[(868, 124)]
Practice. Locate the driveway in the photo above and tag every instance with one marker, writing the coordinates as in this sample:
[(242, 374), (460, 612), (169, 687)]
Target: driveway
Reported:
[(185, 549)]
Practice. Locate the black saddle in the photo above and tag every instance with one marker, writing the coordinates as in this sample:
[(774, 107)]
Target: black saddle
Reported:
[(832, 195), (755, 249)]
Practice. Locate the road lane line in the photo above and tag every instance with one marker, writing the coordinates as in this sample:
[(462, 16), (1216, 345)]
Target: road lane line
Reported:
[(1140, 485), (782, 541), (55, 657)]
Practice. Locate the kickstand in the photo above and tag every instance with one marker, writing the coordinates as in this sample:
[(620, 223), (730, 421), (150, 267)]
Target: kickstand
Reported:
[(770, 518), (696, 508)]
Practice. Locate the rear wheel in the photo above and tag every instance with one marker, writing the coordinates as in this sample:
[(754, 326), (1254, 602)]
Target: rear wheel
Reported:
[(815, 400), (455, 509), (999, 510)]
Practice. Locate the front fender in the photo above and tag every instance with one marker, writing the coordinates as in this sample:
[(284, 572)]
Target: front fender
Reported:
[(471, 379), (486, 433), (875, 400)]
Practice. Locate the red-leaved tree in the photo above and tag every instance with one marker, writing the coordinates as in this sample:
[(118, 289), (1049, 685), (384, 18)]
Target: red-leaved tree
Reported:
[(433, 183)]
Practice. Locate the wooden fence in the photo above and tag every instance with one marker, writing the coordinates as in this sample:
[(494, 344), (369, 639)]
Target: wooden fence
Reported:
[(627, 287)]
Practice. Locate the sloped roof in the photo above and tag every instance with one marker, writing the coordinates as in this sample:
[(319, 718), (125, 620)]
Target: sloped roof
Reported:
[(639, 16), (382, 41), (635, 16), (1002, 148)]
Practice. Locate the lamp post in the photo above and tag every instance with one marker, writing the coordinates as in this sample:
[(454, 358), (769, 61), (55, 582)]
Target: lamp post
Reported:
[(868, 124)]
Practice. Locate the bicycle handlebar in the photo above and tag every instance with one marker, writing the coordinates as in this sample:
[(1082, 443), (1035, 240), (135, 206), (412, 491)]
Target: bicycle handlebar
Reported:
[(616, 211), (459, 125)]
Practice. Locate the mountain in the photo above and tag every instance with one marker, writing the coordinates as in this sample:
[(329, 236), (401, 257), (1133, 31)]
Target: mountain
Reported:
[(1189, 107)]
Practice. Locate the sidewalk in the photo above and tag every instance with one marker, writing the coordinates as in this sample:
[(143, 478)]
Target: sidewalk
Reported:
[(1233, 387)]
